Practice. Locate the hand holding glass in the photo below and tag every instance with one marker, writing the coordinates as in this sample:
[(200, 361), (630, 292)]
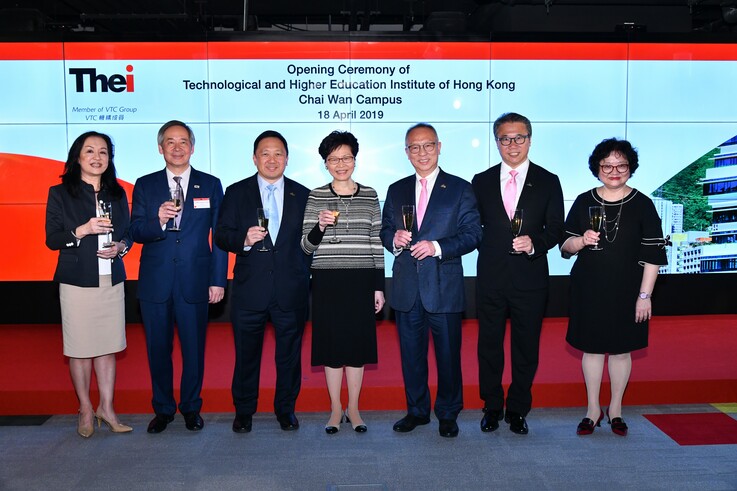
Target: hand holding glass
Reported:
[(262, 215), (175, 194), (516, 225), (408, 217), (106, 211), (333, 207), (596, 219)]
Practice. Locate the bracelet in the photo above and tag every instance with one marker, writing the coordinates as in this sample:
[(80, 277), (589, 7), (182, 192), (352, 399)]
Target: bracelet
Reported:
[(75, 236)]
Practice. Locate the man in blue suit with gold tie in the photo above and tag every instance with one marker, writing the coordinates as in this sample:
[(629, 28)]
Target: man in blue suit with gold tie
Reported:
[(180, 273), (427, 291)]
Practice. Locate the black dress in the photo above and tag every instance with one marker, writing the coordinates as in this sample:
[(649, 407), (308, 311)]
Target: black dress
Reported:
[(343, 319), (605, 284)]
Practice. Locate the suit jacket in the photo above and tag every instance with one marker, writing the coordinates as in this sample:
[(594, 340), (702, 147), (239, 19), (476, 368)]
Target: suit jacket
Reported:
[(185, 256), (77, 264), (542, 201), (285, 269), (452, 219)]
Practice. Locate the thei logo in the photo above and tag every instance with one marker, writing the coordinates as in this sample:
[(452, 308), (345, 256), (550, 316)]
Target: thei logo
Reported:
[(87, 79)]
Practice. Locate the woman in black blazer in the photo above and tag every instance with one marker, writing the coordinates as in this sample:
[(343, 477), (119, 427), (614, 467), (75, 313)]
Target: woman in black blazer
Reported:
[(90, 272)]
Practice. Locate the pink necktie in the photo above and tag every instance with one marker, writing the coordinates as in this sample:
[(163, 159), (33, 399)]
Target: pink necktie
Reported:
[(422, 204), (510, 193)]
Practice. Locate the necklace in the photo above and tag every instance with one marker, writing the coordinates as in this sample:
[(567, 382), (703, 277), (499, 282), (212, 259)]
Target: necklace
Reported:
[(346, 205), (611, 227)]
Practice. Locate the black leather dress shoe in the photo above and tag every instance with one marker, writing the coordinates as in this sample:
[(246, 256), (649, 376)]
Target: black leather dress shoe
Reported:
[(448, 428), (158, 424), (490, 421), (517, 423), (288, 421), (409, 423), (242, 423), (193, 421)]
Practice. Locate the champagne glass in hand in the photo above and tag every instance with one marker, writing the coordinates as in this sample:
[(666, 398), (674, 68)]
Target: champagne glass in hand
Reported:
[(516, 225), (333, 207), (175, 194), (106, 212), (596, 219), (263, 221), (408, 217)]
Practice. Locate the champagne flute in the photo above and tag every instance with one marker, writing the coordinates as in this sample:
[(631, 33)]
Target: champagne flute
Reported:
[(596, 219), (408, 217), (516, 225), (333, 207), (263, 221), (175, 194), (106, 211)]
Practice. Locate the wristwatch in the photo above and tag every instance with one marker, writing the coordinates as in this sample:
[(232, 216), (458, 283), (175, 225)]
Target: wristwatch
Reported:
[(644, 295)]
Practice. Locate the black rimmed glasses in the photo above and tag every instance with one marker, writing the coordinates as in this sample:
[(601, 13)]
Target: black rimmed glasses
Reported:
[(428, 147), (608, 168), (346, 159), (505, 141)]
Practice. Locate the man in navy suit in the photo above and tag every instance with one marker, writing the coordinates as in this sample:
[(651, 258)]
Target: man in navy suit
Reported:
[(513, 284), (180, 273), (427, 290), (270, 284)]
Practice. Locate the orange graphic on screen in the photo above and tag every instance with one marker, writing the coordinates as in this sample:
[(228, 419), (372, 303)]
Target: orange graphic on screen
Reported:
[(26, 181)]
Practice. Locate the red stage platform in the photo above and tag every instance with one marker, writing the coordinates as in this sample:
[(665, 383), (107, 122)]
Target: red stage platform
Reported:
[(691, 359)]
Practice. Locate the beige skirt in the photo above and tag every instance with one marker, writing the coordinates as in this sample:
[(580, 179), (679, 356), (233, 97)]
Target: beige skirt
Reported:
[(93, 319)]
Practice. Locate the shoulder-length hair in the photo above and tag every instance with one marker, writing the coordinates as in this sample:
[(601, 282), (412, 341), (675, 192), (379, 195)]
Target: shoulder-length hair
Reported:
[(72, 176)]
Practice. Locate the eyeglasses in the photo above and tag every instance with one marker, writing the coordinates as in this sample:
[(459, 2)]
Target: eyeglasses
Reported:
[(608, 168), (429, 147), (347, 159), (506, 141)]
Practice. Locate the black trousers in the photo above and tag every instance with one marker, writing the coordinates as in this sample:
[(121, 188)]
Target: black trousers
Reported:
[(525, 309)]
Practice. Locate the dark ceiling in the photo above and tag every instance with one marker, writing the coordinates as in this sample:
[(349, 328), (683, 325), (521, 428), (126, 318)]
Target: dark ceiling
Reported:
[(167, 18)]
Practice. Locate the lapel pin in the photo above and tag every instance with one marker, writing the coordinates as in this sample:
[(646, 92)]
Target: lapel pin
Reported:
[(197, 186), (442, 186), (291, 194)]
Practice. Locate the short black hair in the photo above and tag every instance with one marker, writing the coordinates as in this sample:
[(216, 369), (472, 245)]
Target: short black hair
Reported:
[(610, 146), (512, 118), (270, 134), (335, 140)]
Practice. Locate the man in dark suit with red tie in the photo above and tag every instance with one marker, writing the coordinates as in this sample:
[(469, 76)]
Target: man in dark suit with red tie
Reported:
[(180, 272), (270, 279), (427, 290), (513, 284)]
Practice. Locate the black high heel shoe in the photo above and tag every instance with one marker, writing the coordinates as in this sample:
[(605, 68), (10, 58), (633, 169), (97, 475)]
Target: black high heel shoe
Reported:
[(332, 430), (587, 425), (619, 427), (357, 428)]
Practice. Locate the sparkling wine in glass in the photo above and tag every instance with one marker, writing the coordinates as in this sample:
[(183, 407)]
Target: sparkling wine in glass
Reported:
[(336, 213), (516, 225), (596, 219), (408, 217), (175, 195), (106, 212), (262, 216)]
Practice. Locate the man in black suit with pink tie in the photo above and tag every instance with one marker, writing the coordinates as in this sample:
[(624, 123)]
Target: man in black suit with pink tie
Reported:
[(515, 284)]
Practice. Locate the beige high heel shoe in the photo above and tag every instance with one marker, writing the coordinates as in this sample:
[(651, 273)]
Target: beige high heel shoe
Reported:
[(85, 431), (114, 427)]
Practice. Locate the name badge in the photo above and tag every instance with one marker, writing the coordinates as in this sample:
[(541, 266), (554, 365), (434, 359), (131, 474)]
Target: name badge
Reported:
[(201, 203)]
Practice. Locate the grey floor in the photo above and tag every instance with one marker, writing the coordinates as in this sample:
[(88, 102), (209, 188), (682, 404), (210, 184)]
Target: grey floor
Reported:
[(53, 457)]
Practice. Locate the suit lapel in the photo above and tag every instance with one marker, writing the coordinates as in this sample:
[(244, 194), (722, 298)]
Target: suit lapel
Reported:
[(528, 187)]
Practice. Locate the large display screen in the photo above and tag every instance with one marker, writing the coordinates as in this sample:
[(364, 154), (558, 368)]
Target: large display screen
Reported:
[(674, 102)]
